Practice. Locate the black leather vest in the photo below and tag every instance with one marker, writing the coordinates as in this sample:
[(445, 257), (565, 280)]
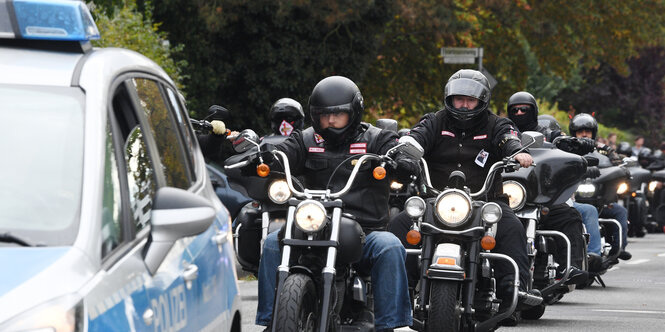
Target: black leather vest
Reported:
[(367, 199), (470, 151)]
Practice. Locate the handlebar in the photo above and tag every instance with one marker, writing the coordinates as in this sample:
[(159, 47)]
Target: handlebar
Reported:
[(326, 193)]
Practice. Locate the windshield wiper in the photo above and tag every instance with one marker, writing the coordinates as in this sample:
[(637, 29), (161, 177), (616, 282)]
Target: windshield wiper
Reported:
[(8, 237)]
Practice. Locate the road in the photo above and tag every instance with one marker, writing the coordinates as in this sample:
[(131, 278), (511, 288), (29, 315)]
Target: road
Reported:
[(634, 299)]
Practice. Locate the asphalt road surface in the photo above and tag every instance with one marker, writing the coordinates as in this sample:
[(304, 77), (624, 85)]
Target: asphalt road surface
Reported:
[(634, 299)]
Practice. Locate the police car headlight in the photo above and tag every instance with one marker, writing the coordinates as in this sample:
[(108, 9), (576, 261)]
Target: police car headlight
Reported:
[(396, 186), (279, 191), (622, 189), (453, 207), (62, 314), (491, 213), (586, 190), (516, 194), (653, 185), (414, 207), (310, 216)]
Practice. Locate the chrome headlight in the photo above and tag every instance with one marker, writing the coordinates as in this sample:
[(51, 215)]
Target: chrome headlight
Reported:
[(491, 213), (279, 191), (516, 194), (310, 216), (623, 188), (414, 207), (586, 190), (453, 207), (396, 186), (653, 185)]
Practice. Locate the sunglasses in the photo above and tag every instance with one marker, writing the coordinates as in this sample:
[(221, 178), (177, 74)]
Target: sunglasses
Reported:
[(524, 109)]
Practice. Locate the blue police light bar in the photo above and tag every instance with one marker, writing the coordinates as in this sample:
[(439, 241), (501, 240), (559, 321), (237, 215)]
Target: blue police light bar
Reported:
[(66, 20)]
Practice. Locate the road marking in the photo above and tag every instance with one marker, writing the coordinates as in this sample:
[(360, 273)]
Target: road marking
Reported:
[(661, 255), (639, 261), (631, 311)]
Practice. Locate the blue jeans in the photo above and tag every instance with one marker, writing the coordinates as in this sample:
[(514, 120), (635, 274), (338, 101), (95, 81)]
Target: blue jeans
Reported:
[(619, 213), (590, 219), (383, 255)]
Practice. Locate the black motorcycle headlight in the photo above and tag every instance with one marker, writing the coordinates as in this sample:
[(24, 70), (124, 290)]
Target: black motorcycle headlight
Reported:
[(622, 188), (516, 194), (279, 191), (453, 207), (396, 186)]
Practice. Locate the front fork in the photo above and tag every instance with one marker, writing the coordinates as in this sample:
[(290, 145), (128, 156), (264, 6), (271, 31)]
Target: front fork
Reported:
[(328, 272)]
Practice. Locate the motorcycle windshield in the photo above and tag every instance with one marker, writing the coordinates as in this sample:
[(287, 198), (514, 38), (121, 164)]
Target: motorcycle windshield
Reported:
[(41, 143)]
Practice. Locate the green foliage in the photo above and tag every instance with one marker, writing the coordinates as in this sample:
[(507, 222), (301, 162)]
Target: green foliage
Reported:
[(127, 28)]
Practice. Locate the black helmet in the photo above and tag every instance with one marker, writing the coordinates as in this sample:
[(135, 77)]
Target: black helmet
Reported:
[(625, 149), (583, 121), (336, 94), (289, 111), (471, 83), (529, 120), (549, 122)]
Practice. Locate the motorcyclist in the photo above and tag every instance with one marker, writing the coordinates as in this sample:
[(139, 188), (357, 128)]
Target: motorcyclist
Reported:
[(286, 116), (466, 136), (522, 109), (337, 134), (215, 145), (585, 125)]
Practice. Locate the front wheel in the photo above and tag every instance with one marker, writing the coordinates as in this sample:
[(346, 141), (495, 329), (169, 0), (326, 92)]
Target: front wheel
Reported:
[(444, 306), (297, 310)]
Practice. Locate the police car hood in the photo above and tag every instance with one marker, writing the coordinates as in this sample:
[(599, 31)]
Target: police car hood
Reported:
[(34, 275)]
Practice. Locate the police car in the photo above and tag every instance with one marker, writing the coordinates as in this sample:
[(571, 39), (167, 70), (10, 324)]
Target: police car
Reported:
[(108, 220)]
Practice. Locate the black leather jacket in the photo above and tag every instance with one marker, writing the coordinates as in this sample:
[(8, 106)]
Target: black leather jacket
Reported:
[(311, 157), (472, 151)]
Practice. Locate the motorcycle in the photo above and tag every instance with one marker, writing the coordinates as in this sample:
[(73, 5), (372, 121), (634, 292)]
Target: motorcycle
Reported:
[(634, 198), (601, 192), (318, 287), (532, 192), (457, 288), (266, 212)]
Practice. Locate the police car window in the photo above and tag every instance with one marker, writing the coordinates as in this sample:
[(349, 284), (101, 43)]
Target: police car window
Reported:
[(184, 125), (111, 202), (163, 129), (41, 173), (139, 169)]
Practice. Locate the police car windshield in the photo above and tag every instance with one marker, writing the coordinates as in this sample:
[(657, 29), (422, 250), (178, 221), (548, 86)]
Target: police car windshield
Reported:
[(41, 144)]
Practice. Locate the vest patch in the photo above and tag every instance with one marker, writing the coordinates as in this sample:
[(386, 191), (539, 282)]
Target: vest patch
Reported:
[(358, 145), (318, 139), (447, 133), (357, 151), (482, 157), (285, 128), (317, 150), (480, 137)]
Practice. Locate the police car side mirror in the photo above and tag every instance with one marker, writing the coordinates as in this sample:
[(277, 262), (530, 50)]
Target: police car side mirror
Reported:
[(410, 147), (246, 140), (175, 214), (528, 137)]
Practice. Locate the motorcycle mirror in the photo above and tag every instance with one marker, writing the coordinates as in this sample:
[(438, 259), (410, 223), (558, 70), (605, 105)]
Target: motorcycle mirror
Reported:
[(245, 141), (387, 124), (217, 112), (411, 148), (533, 136), (457, 179), (591, 161)]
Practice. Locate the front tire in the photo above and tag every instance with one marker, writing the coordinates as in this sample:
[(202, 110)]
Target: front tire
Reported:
[(298, 309), (444, 313)]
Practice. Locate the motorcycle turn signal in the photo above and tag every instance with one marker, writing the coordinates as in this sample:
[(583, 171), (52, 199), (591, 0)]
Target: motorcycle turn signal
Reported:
[(413, 237), (263, 170), (379, 173)]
